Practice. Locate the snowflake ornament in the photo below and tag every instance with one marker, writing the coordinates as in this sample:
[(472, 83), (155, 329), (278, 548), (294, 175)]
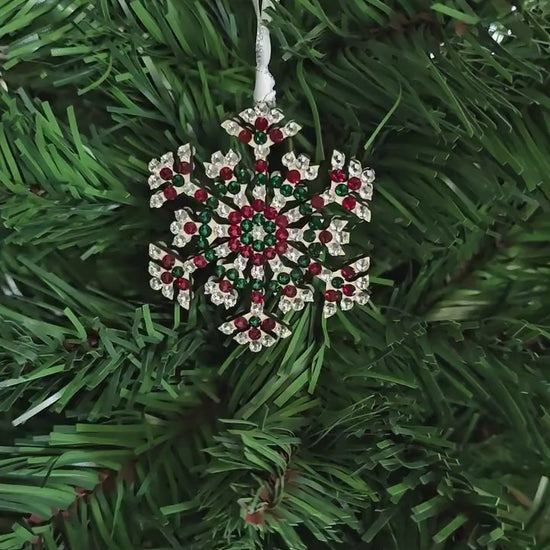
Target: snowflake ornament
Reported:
[(261, 234)]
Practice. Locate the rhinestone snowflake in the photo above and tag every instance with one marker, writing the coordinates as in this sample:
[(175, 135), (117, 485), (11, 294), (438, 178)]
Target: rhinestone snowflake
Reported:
[(262, 235)]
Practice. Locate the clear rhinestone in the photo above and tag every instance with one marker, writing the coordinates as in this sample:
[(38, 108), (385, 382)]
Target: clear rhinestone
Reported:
[(298, 304), (175, 227), (168, 291), (302, 162), (278, 201), (366, 192), (240, 200), (307, 295), (258, 192), (312, 172), (257, 272), (293, 215), (248, 115), (294, 234), (183, 300), (258, 232), (189, 188), (157, 200), (167, 159), (334, 249), (362, 298), (285, 305), (362, 212), (227, 328), (346, 303), (241, 338), (292, 128), (338, 159), (180, 241), (363, 282), (292, 254), (210, 286), (289, 159), (362, 264), (217, 158), (276, 115), (232, 158), (338, 225), (154, 181), (182, 215), (211, 170), (231, 127), (230, 300), (154, 165), (329, 309), (154, 269), (257, 309), (355, 168), (240, 262), (189, 266), (223, 251), (223, 210), (156, 284), (220, 231), (261, 151), (325, 275), (276, 264), (261, 108), (267, 340), (282, 331), (155, 252), (368, 175), (184, 152), (342, 237), (217, 298), (255, 346)]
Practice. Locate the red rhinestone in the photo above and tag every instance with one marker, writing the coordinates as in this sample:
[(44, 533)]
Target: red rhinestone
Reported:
[(168, 261), (166, 278), (225, 286), (354, 184), (331, 295), (317, 202), (166, 174), (247, 211), (293, 176), (245, 136), (276, 135), (190, 228), (281, 221), (281, 234), (226, 173), (234, 231), (201, 195), (270, 213), (234, 218), (348, 273), (315, 268), (254, 333), (260, 166), (170, 193), (199, 261), (234, 245), (349, 203), (261, 124), (269, 253), (325, 236), (183, 284), (338, 176), (281, 247), (258, 259), (185, 168), (258, 205), (241, 323), (290, 291), (268, 324), (348, 290), (256, 297), (246, 251)]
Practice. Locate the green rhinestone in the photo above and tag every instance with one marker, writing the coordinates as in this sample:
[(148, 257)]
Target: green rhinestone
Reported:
[(220, 270), (260, 138), (202, 242), (233, 187), (316, 222), (260, 179), (316, 249), (341, 190), (258, 246), (296, 274), (205, 216), (283, 278), (243, 176), (247, 238), (247, 225), (300, 192), (221, 189), (337, 282), (212, 202), (269, 226), (178, 180), (274, 285), (305, 209), (177, 271), (232, 274), (205, 230), (309, 235), (276, 182), (241, 283), (258, 284), (258, 219), (270, 240), (286, 190), (254, 321), (210, 255), (303, 261)]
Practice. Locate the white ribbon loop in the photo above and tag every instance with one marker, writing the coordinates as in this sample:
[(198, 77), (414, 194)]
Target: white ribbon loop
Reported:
[(264, 90)]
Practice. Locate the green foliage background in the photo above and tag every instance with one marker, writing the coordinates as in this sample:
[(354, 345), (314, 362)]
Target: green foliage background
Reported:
[(419, 422)]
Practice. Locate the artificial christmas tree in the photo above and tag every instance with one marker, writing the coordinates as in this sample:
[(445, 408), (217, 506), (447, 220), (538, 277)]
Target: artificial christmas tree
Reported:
[(418, 421)]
